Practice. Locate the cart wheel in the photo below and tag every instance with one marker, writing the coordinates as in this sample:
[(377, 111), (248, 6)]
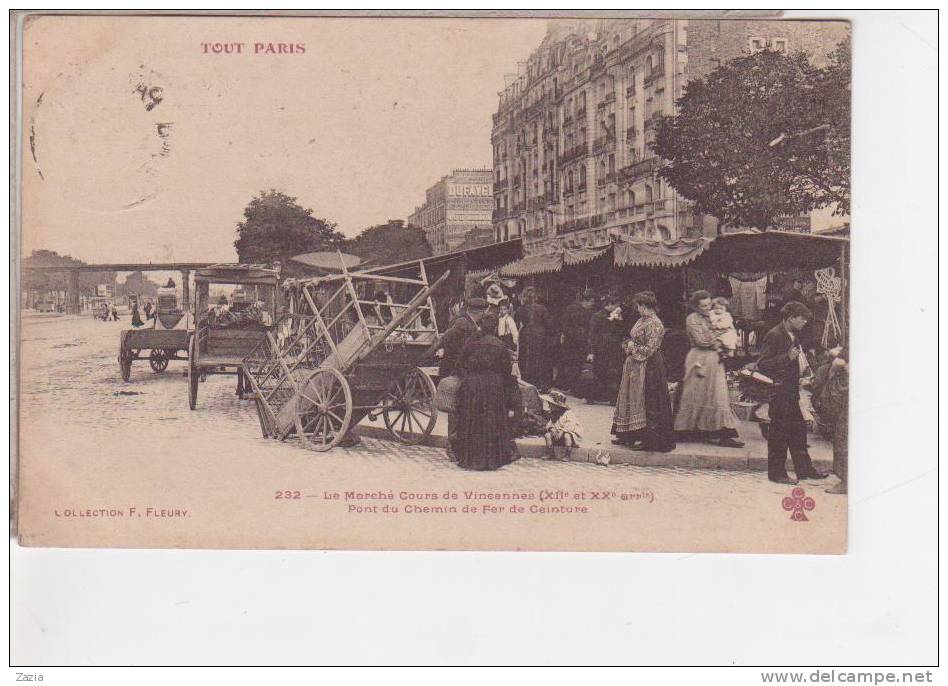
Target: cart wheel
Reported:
[(192, 376), (408, 409), (324, 409), (124, 359), (158, 360)]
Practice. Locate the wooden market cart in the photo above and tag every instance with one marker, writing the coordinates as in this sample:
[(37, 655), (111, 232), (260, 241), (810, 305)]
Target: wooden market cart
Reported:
[(166, 337), (350, 346), (228, 326)]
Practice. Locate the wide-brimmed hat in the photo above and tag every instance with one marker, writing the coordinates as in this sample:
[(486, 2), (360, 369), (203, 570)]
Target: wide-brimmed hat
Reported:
[(495, 294), (556, 398)]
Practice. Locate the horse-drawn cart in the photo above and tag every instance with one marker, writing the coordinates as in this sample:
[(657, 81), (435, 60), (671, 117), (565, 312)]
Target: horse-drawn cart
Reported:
[(165, 340), (235, 306), (350, 346)]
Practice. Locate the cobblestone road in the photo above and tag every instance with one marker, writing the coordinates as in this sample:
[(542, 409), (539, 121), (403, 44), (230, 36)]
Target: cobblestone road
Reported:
[(140, 438)]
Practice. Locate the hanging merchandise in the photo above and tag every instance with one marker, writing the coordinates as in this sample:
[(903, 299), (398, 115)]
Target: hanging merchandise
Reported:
[(831, 286)]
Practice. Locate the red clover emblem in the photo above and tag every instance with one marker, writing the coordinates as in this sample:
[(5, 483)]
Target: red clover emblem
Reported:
[(796, 503)]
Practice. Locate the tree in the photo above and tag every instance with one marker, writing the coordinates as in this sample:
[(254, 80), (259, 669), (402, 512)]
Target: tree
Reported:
[(762, 136), (390, 243), (275, 228)]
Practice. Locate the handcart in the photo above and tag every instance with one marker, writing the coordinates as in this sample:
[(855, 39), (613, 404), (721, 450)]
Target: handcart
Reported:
[(234, 310), (351, 346), (165, 339)]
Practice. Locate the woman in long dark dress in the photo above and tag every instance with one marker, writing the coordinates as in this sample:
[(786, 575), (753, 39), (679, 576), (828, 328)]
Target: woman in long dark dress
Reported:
[(537, 351), (136, 317), (483, 405), (643, 409)]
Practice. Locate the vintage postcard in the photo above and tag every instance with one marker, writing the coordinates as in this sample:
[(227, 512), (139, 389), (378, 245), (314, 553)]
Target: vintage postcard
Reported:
[(433, 283)]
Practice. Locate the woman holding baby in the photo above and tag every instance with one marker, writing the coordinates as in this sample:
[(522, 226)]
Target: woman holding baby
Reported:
[(704, 408)]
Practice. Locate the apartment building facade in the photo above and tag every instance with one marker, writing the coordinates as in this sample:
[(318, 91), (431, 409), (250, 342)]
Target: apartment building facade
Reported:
[(572, 134), (459, 203)]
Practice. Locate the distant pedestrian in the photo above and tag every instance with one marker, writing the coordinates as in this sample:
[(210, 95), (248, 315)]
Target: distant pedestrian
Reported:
[(113, 311), (136, 317), (704, 408)]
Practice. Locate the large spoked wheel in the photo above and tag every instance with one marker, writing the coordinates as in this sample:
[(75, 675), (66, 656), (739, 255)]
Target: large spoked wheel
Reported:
[(192, 376), (124, 358), (409, 409), (324, 409), (158, 360)]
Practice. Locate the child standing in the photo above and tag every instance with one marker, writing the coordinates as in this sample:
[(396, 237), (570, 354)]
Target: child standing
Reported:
[(723, 325)]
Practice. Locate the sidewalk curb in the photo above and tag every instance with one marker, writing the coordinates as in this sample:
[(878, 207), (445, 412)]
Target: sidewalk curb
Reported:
[(739, 461)]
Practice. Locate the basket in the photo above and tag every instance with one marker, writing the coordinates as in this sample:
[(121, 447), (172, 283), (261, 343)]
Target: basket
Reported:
[(446, 393)]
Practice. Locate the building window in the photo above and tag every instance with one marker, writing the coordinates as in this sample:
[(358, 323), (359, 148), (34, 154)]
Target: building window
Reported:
[(612, 164), (757, 43), (582, 176), (780, 45), (648, 193)]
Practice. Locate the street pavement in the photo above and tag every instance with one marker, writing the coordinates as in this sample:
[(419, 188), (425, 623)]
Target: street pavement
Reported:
[(91, 440)]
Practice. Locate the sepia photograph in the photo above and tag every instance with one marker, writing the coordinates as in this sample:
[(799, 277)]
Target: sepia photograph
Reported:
[(474, 337), (433, 284)]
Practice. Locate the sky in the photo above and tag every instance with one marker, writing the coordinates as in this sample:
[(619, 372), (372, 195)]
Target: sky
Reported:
[(141, 143)]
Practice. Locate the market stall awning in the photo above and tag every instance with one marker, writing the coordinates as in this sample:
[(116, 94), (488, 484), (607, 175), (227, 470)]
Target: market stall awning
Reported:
[(326, 262), (530, 265), (643, 253), (483, 257), (770, 251), (575, 256)]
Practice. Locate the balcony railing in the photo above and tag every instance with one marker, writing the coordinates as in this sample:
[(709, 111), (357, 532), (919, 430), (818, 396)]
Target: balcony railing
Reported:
[(657, 73), (574, 153), (603, 142), (581, 188), (631, 133), (573, 225), (516, 182), (610, 98), (657, 206), (639, 169)]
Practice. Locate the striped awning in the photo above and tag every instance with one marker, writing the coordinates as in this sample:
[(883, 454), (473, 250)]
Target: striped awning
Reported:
[(643, 253), (550, 263), (574, 256)]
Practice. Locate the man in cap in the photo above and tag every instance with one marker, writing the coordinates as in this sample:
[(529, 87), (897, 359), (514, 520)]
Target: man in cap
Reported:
[(462, 328), (782, 359)]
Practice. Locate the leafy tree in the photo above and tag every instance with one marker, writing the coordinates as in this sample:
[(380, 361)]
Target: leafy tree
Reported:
[(390, 243), (276, 227), (762, 136)]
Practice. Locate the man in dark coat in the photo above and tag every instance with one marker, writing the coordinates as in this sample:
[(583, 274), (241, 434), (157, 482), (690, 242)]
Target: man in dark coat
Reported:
[(606, 333), (576, 321), (781, 358), (462, 329)]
